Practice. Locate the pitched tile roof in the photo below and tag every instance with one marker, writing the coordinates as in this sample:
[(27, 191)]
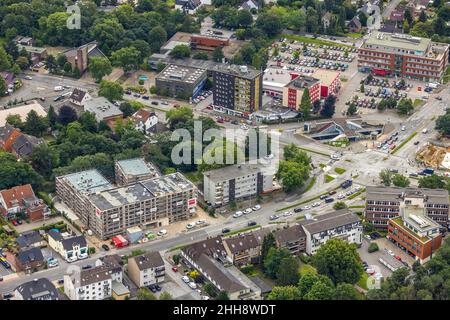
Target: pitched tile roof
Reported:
[(28, 238), (241, 243), (38, 289), (290, 234), (30, 255), (15, 196), (77, 95), (149, 260), (25, 144)]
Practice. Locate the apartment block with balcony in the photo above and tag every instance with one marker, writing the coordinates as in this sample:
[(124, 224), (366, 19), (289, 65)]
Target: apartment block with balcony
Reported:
[(413, 230), (237, 89), (234, 183), (109, 211), (403, 55), (383, 203), (341, 224), (292, 238), (242, 249), (146, 269), (90, 284)]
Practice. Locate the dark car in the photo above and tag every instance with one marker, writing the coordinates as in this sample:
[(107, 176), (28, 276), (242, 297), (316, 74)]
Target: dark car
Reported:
[(332, 192), (7, 296), (152, 288), (157, 287), (416, 143), (225, 230), (61, 281), (251, 223), (324, 196), (145, 97), (105, 247), (88, 266), (298, 210), (127, 91)]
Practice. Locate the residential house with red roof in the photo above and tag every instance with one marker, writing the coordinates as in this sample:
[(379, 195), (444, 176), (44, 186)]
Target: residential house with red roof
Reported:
[(22, 200)]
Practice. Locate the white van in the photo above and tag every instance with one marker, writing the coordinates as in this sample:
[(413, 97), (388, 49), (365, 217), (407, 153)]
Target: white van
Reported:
[(58, 88)]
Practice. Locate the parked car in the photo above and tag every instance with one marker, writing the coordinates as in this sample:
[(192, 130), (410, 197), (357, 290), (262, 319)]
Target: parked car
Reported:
[(225, 230), (174, 269), (237, 214), (296, 210), (190, 226), (256, 207), (105, 247), (251, 223), (185, 279), (192, 285), (248, 210), (162, 232), (273, 217)]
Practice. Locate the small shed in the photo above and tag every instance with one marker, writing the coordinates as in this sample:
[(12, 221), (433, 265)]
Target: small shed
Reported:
[(119, 241), (134, 234)]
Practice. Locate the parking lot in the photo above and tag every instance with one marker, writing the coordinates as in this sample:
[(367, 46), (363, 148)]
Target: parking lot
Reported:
[(306, 58)]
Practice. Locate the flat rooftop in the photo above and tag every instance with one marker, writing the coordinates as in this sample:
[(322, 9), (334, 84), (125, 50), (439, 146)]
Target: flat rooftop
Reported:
[(325, 76), (394, 194), (140, 191), (88, 181), (276, 77), (302, 82), (179, 73), (232, 172), (136, 167), (102, 108), (398, 41), (240, 71)]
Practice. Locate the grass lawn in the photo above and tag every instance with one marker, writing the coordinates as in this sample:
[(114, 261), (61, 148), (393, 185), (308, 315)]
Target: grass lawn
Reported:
[(315, 41), (311, 184), (328, 178), (353, 196), (356, 207), (306, 268), (362, 283), (354, 35), (404, 142), (418, 103), (339, 170)]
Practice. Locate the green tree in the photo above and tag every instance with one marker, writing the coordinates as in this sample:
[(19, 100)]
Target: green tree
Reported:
[(305, 105), (352, 109), (244, 18), (165, 296), (362, 88), (15, 120), (44, 159), (180, 51), (200, 56), (127, 58), (328, 107), (15, 173), (217, 54), (339, 205), (293, 175), (423, 16), (3, 88), (442, 123), (273, 261), (284, 293), (288, 272), (400, 180), (346, 291), (178, 115), (157, 37), (67, 115), (268, 242), (5, 60), (34, 124), (320, 291), (145, 294), (52, 117), (88, 121), (372, 247), (405, 106), (111, 90), (338, 260), (126, 108), (306, 282), (210, 290), (432, 182), (99, 67), (386, 177)]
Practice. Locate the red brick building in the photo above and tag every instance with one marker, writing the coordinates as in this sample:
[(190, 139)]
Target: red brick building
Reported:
[(208, 42), (413, 230), (391, 54), (293, 91), (22, 200)]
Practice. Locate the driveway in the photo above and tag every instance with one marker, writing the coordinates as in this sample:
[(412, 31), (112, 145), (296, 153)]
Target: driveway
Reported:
[(372, 258)]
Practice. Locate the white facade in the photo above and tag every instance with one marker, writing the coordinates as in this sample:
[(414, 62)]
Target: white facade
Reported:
[(95, 291), (81, 103), (351, 234), (144, 127)]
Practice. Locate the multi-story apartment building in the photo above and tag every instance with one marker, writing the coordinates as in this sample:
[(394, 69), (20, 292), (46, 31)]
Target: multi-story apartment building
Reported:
[(342, 224), (109, 211), (133, 170), (180, 81), (383, 203), (233, 183), (293, 91), (403, 55), (70, 247), (237, 89), (146, 269), (21, 201), (413, 230), (90, 284), (243, 249), (292, 238)]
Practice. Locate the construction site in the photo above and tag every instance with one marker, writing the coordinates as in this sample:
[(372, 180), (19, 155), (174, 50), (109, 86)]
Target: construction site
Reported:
[(435, 155)]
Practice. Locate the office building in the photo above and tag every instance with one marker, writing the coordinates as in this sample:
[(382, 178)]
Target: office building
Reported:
[(383, 203), (182, 82), (237, 89), (293, 91), (403, 55), (413, 230), (234, 183)]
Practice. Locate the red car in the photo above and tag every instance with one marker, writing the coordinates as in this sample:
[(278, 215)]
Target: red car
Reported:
[(398, 258), (174, 269), (15, 223)]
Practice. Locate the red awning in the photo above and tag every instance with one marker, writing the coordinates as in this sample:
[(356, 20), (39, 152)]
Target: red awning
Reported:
[(381, 72)]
